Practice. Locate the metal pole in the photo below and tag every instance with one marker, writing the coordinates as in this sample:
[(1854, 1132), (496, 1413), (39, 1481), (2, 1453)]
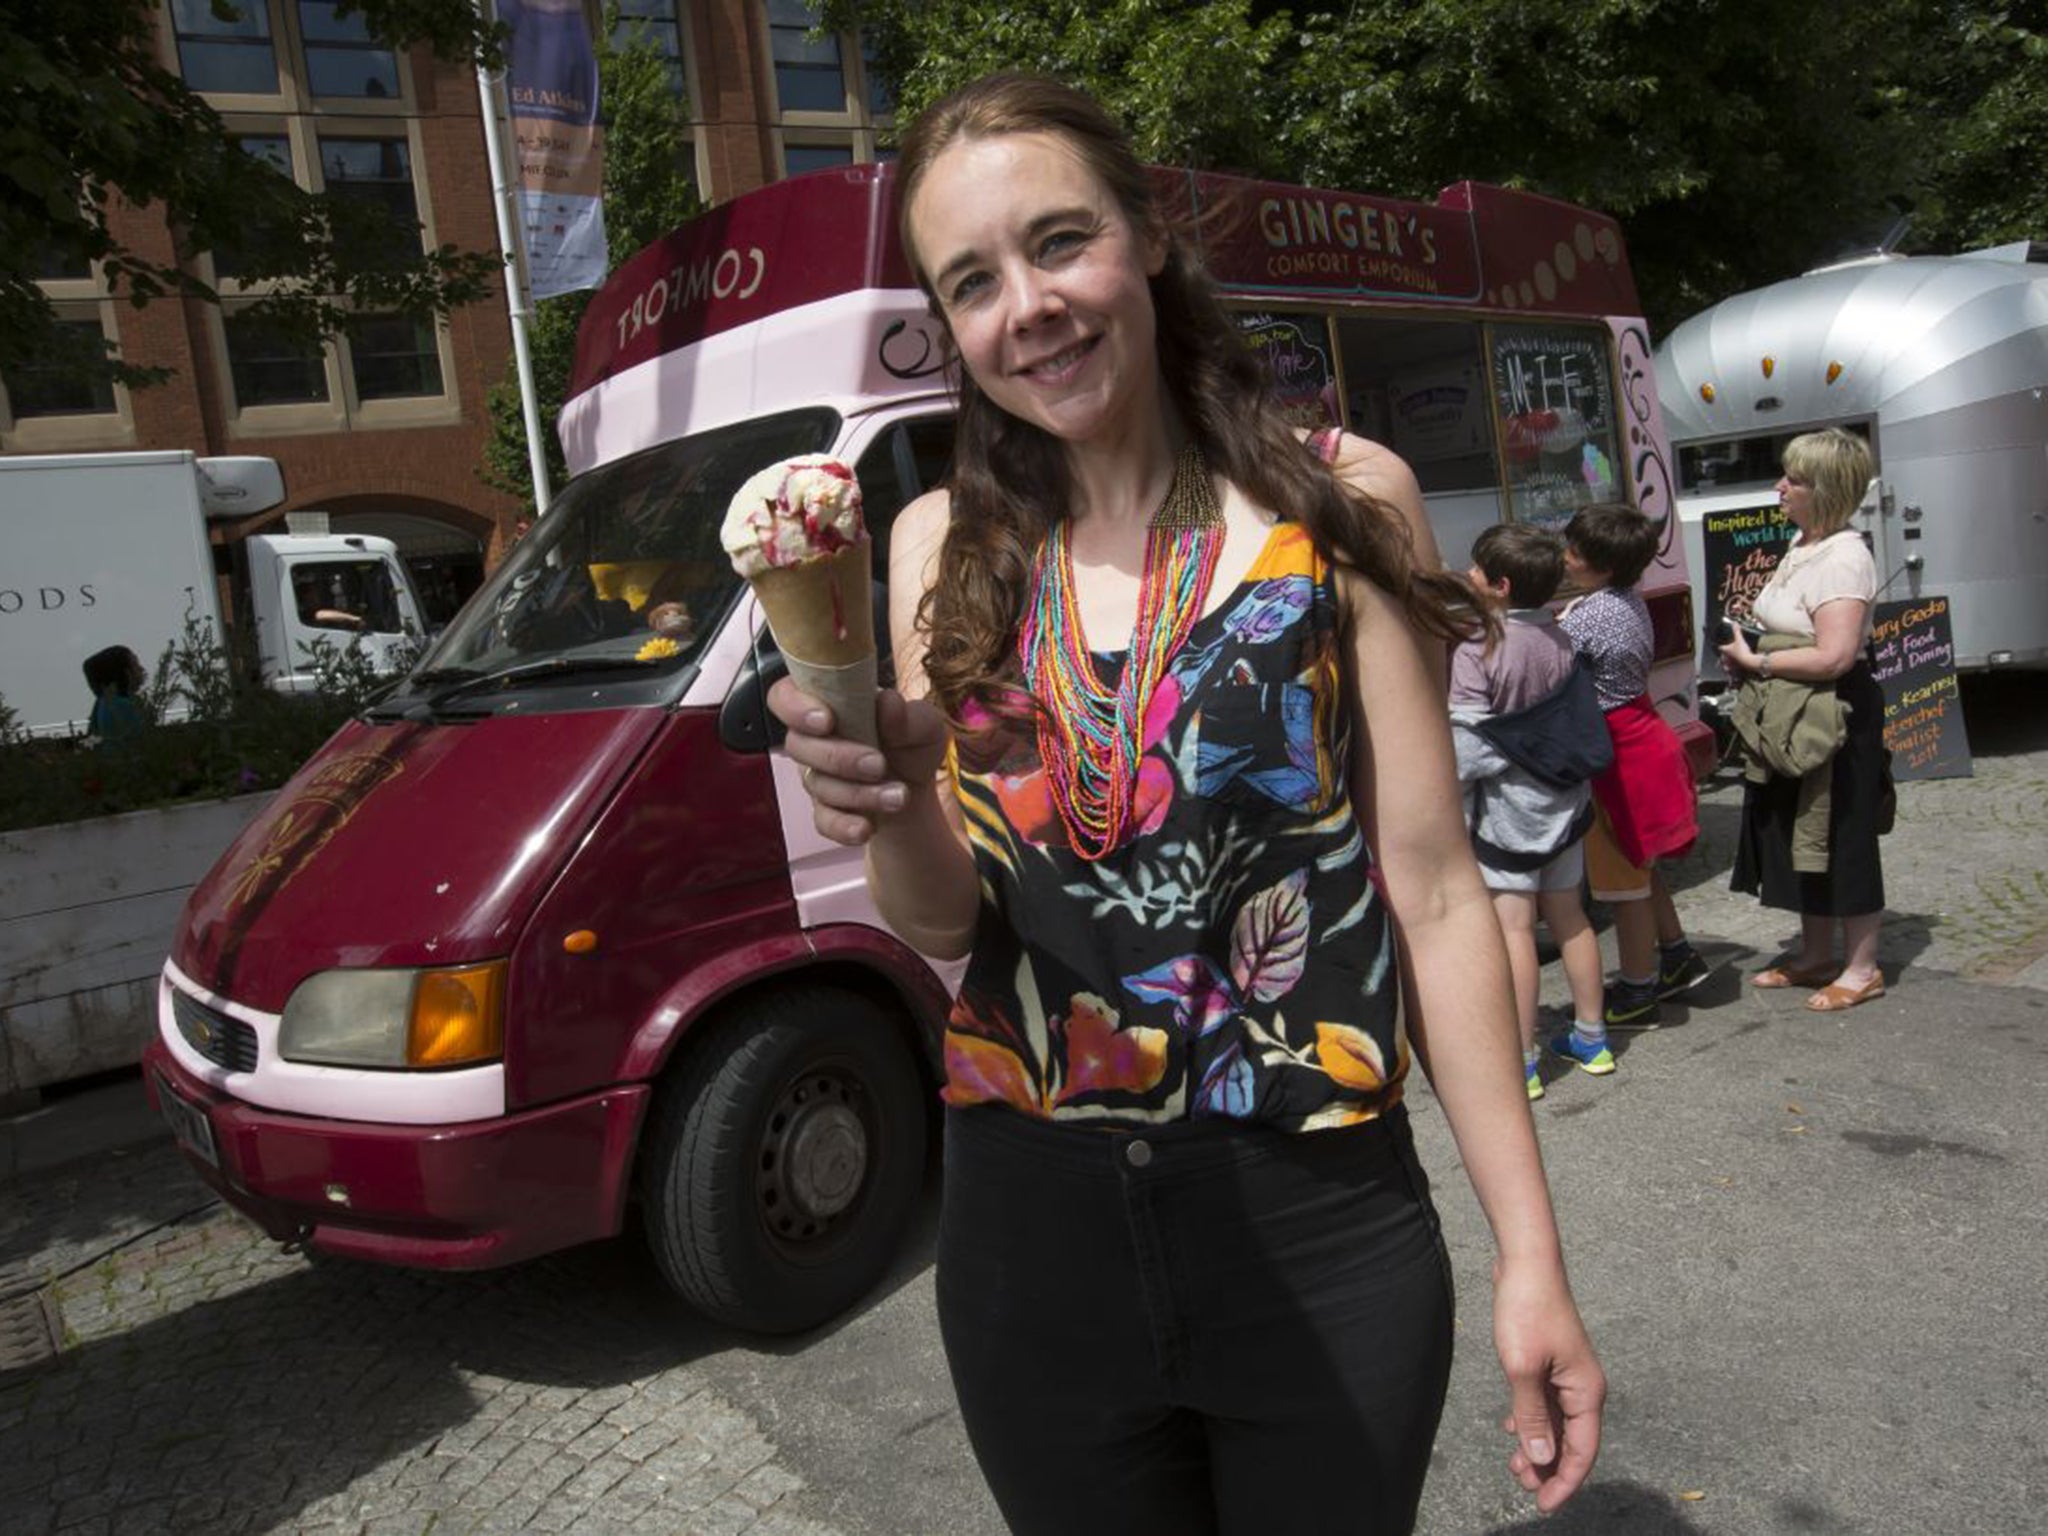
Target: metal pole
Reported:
[(518, 303)]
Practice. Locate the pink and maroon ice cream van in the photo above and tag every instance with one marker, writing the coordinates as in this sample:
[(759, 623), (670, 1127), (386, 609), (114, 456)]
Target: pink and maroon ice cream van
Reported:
[(544, 942)]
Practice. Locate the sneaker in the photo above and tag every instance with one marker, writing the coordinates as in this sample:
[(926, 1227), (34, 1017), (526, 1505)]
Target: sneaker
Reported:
[(1534, 1079), (1596, 1059), (1633, 1004), (1680, 972)]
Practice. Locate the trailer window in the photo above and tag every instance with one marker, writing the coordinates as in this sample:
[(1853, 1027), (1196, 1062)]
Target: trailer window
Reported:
[(1738, 462)]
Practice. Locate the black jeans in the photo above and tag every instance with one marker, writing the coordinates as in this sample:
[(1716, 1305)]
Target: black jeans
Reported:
[(1203, 1327)]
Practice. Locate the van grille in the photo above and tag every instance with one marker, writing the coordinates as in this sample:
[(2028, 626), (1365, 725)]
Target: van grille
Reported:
[(221, 1040)]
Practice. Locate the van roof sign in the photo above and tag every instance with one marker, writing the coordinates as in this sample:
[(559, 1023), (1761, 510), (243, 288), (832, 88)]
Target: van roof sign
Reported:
[(792, 242), (809, 238)]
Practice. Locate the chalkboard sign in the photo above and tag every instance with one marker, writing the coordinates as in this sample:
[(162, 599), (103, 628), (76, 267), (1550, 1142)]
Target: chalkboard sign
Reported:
[(1553, 390), (1297, 353), (1739, 548), (1914, 654)]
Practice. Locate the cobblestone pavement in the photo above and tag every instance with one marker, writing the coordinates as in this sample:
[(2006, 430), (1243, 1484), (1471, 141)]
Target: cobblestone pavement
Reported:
[(1966, 867), (210, 1382)]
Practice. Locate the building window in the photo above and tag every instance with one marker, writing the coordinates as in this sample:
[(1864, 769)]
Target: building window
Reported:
[(653, 24), (55, 266), (393, 357), (377, 171), (52, 389), (380, 369), (809, 75), (275, 151), (798, 158), (342, 59), (270, 368), (830, 106), (881, 100), (233, 57)]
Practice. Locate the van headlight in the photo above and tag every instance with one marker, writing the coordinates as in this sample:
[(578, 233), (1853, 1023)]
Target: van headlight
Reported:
[(397, 1018)]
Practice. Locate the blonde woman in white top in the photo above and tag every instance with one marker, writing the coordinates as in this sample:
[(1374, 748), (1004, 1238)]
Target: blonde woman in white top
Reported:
[(1822, 592)]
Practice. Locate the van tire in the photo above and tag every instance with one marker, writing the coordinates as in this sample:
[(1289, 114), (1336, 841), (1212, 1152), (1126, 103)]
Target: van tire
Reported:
[(784, 1158)]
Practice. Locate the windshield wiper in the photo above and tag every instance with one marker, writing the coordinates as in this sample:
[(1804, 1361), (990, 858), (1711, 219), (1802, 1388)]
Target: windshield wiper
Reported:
[(465, 680)]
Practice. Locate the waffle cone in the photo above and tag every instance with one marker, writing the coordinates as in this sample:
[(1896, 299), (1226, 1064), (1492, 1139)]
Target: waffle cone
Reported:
[(822, 615), (848, 691)]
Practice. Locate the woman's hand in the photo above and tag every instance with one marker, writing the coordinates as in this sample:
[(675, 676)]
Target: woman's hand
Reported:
[(1737, 656), (853, 786), (1556, 1388)]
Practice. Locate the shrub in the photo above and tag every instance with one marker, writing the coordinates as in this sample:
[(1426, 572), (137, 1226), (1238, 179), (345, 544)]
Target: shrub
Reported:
[(234, 737)]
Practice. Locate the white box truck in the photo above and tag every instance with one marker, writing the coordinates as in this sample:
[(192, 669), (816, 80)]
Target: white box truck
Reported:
[(105, 549)]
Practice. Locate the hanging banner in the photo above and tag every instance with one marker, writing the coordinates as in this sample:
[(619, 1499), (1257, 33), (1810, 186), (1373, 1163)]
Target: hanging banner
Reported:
[(551, 78)]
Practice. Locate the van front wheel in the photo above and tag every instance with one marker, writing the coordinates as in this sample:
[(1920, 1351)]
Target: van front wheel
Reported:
[(784, 1159)]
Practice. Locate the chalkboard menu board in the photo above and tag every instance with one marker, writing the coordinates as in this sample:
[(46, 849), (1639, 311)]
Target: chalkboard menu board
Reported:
[(1297, 352), (1914, 653), (1553, 389), (1739, 548)]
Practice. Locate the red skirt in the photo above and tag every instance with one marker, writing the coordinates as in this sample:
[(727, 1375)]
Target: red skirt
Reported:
[(1648, 794)]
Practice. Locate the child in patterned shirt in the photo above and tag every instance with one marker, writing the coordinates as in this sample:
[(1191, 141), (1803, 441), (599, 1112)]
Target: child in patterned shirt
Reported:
[(1646, 803)]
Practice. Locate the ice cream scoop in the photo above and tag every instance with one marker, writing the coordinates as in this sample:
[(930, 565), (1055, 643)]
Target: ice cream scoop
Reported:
[(795, 531), (791, 512)]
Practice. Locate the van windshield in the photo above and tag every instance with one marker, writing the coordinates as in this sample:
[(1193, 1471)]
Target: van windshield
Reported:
[(626, 565)]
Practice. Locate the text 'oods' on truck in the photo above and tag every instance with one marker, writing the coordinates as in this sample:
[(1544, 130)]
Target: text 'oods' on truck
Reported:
[(1941, 362), (114, 549), (548, 932)]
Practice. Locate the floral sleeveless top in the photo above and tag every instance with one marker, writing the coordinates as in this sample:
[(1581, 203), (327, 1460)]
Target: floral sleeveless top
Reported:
[(1232, 957)]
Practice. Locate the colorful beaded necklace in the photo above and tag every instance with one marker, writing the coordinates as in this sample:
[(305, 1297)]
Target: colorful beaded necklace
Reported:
[(1090, 737)]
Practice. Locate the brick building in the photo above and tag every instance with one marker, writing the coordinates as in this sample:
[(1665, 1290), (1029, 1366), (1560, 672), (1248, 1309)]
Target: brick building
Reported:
[(383, 428)]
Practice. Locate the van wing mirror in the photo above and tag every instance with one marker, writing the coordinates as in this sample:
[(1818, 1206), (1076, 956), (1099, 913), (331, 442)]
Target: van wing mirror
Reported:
[(744, 723)]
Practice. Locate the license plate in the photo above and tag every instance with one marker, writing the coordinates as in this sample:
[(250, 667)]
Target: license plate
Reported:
[(187, 1120)]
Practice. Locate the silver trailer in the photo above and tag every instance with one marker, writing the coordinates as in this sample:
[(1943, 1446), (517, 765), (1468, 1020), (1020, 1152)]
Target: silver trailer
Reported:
[(1942, 362)]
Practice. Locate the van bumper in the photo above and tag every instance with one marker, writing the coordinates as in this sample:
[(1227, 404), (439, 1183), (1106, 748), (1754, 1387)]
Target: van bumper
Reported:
[(464, 1196)]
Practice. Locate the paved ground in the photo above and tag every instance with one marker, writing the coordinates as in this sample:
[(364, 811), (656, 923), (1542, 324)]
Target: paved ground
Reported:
[(1809, 1249)]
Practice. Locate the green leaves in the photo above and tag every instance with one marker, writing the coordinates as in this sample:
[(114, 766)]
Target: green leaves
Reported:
[(647, 192), (1739, 141), (90, 115)]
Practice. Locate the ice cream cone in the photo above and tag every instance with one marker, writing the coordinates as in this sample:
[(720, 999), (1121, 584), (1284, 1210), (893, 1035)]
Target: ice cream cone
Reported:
[(822, 614), (848, 691)]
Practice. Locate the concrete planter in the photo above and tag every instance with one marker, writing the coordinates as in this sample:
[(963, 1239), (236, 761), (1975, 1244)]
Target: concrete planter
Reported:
[(87, 911)]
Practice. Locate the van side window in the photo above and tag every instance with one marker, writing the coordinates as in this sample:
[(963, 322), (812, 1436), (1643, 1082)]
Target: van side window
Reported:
[(906, 460), (345, 594)]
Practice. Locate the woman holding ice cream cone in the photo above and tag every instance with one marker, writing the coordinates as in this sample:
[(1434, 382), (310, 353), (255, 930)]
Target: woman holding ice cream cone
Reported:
[(1171, 768)]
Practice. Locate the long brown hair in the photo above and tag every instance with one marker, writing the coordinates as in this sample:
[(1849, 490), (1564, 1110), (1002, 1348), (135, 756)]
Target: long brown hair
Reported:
[(1010, 479)]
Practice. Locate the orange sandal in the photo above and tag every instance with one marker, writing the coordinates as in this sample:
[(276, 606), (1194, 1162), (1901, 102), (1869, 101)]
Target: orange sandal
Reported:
[(1794, 976), (1834, 998)]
